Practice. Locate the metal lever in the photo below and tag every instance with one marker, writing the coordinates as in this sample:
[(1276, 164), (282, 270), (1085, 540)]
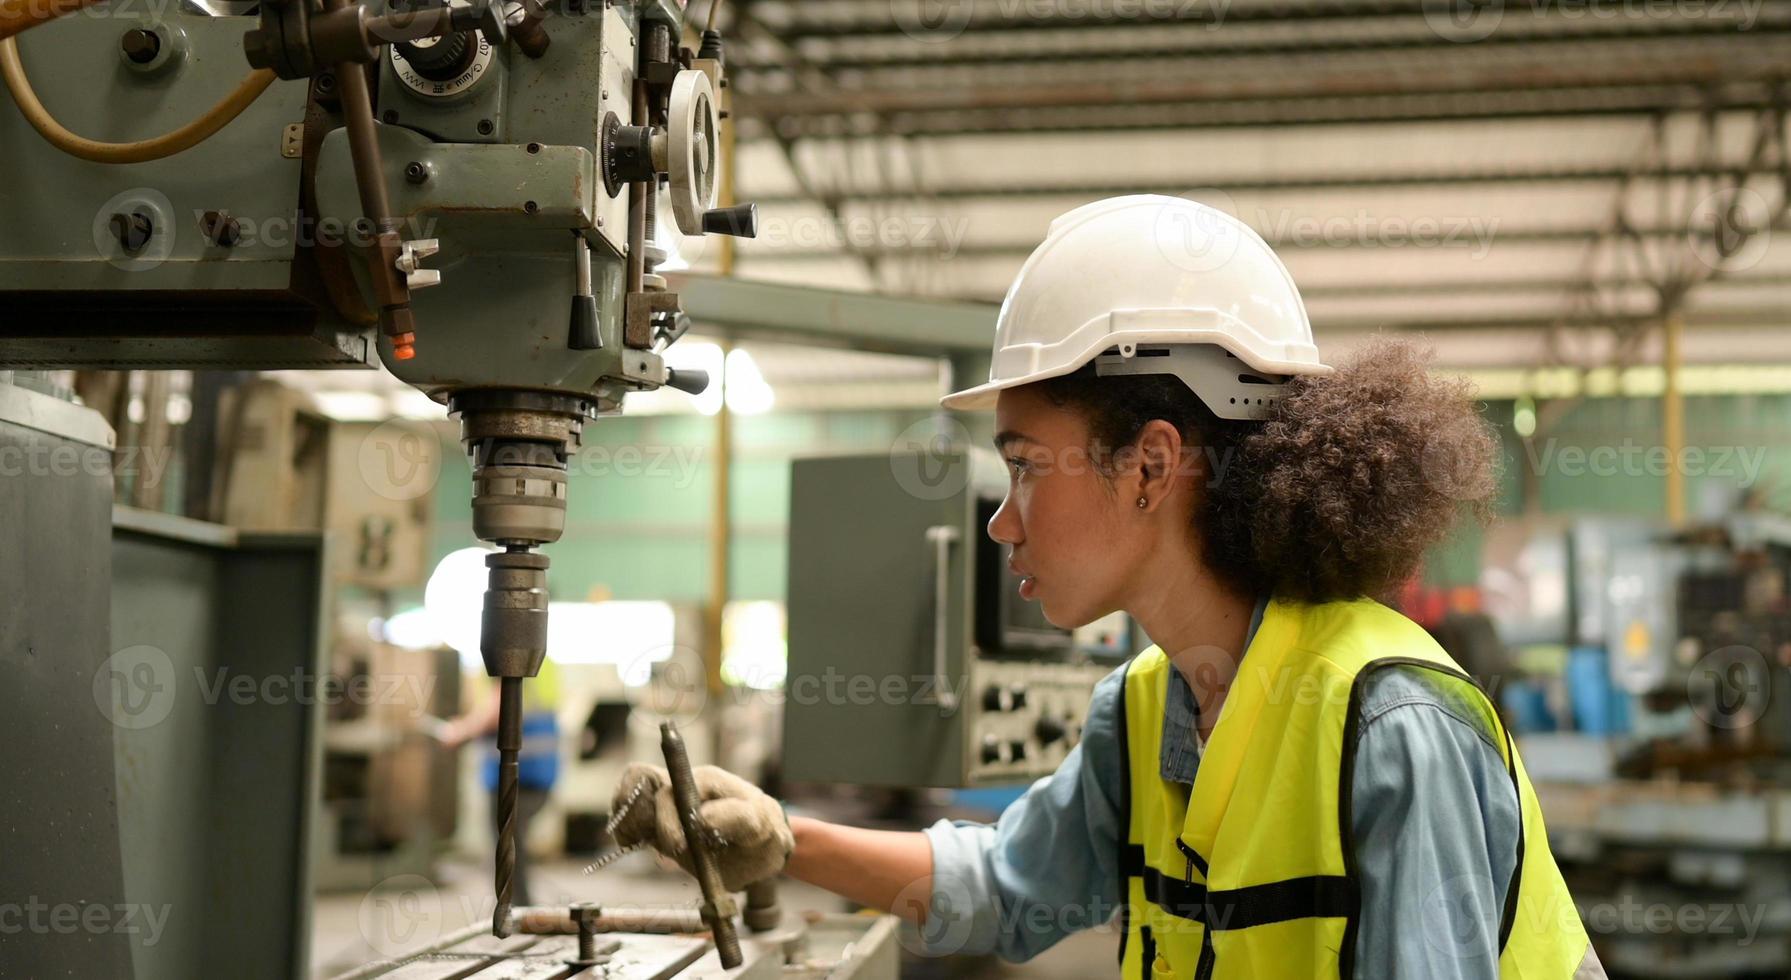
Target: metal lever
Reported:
[(942, 536), (740, 221), (410, 262), (718, 904), (584, 333)]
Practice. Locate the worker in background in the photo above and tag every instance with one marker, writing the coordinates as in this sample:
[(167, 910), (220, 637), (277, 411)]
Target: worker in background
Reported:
[(538, 764), (1294, 780)]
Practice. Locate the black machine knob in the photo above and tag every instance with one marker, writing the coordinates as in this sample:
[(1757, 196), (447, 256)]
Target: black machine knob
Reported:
[(740, 221), (584, 333), (439, 58), (688, 380), (1018, 692), (997, 698), (993, 749), (1018, 749), (1049, 729)]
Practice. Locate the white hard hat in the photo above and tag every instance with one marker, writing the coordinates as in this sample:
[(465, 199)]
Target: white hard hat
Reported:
[(1148, 284)]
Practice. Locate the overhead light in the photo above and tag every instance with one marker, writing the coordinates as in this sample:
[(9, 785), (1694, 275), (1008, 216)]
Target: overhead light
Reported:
[(353, 406), (744, 385)]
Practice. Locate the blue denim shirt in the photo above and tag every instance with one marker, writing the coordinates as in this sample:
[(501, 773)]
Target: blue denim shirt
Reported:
[(1436, 825)]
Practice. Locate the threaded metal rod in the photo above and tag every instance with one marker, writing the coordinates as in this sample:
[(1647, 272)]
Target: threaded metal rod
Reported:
[(718, 904), (509, 743)]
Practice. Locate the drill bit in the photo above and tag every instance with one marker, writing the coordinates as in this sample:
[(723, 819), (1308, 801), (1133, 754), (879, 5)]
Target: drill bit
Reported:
[(509, 742)]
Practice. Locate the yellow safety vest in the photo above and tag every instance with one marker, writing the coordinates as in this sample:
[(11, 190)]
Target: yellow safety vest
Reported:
[(1253, 874)]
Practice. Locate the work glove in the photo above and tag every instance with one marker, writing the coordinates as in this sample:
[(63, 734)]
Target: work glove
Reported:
[(752, 836)]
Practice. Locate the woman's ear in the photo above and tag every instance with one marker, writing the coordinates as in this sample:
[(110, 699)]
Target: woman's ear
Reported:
[(1160, 461)]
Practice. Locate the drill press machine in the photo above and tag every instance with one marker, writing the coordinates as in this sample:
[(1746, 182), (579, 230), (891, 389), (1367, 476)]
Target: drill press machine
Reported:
[(469, 190)]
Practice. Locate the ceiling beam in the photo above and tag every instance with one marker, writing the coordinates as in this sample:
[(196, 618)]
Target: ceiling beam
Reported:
[(1094, 190)]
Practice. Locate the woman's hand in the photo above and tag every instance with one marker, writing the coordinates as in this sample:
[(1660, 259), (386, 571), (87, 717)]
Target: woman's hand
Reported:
[(753, 839)]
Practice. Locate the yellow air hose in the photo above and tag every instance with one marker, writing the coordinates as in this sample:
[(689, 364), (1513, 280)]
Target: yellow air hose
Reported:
[(12, 71)]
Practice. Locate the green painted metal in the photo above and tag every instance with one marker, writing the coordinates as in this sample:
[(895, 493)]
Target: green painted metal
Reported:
[(802, 314), (215, 796), (55, 216)]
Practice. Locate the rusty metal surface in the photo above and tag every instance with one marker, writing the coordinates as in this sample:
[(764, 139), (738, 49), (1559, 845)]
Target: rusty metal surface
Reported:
[(524, 957)]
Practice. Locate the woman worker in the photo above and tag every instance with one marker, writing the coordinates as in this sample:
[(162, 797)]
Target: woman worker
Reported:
[(1294, 780)]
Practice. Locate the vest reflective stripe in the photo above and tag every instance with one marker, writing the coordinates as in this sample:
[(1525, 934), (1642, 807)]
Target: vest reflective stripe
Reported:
[(1253, 874)]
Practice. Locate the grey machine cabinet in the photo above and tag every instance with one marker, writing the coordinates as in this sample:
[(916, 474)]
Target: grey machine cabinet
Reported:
[(149, 793), (912, 662)]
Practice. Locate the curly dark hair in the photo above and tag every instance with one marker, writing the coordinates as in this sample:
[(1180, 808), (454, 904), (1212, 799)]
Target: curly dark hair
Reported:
[(1340, 491)]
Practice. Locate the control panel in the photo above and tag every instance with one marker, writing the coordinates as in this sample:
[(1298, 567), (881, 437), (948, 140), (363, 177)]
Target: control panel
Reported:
[(1026, 716)]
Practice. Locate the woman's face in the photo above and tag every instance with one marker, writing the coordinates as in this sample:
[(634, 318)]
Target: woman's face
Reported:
[(1067, 529)]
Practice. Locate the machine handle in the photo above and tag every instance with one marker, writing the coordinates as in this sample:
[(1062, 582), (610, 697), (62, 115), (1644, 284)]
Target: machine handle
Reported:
[(689, 380), (943, 536), (740, 221)]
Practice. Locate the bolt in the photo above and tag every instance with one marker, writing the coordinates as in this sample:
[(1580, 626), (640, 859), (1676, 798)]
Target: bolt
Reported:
[(390, 116), (140, 45), (530, 207), (220, 228), (132, 230), (486, 127), (584, 914), (415, 172), (326, 83)]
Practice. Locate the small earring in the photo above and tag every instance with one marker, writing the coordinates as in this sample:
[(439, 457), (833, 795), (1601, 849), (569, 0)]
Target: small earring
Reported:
[(1142, 503)]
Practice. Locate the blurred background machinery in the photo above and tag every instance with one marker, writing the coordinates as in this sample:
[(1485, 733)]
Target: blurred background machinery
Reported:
[(912, 660)]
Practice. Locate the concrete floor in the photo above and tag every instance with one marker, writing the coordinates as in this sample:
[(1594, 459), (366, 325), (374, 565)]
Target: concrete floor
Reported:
[(407, 911)]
